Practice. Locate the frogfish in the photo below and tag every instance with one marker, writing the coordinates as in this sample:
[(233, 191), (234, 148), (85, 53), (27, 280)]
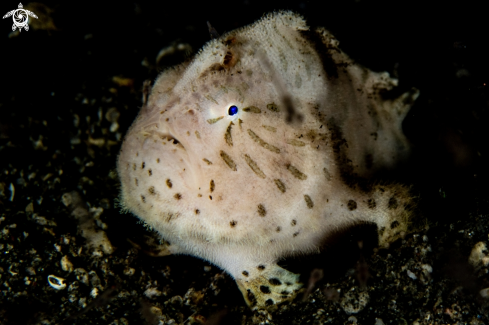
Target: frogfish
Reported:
[(262, 146)]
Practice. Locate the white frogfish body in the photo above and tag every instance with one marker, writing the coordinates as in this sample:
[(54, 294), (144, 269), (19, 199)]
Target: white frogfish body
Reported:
[(258, 149)]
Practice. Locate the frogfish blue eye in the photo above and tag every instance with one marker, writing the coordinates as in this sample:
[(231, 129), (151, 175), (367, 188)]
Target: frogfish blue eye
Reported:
[(232, 110)]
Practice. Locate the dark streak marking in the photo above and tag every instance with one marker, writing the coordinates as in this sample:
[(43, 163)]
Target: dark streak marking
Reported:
[(327, 174), (214, 120), (142, 165), (254, 167), (136, 181), (269, 128), (309, 202), (261, 210), (280, 185), (295, 142), (207, 161), (212, 185), (262, 143), (228, 160), (252, 109), (297, 173), (227, 135)]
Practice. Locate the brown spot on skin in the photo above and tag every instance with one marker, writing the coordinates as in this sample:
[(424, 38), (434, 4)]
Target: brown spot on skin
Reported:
[(278, 229), (251, 297), (352, 205), (297, 173), (309, 202), (295, 234), (227, 135), (261, 267), (265, 289), (245, 273), (152, 190), (143, 199), (210, 197), (273, 107), (136, 182), (197, 134), (134, 166), (177, 196), (254, 167), (150, 172), (142, 165), (233, 223), (207, 161), (158, 160), (262, 143), (228, 58), (169, 183), (252, 109), (228, 161), (394, 224), (392, 203), (293, 223), (280, 185), (371, 203), (212, 185), (274, 281), (199, 195), (197, 211), (261, 210)]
